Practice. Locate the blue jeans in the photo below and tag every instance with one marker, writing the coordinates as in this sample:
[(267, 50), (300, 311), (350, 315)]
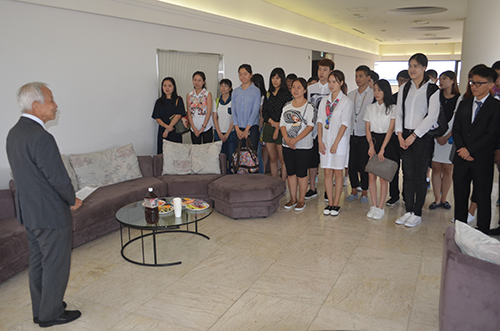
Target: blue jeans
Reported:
[(228, 147)]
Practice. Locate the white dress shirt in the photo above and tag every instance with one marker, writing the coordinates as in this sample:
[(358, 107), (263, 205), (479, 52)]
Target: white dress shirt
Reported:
[(418, 116)]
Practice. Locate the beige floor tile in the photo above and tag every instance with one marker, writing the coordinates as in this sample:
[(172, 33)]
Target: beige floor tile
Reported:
[(255, 311), (295, 284), (135, 322), (229, 268), (337, 319), (191, 303), (267, 245), (85, 270)]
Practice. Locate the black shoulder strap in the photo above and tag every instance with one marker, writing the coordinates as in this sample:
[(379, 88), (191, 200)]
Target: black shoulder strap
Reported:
[(406, 89), (431, 89)]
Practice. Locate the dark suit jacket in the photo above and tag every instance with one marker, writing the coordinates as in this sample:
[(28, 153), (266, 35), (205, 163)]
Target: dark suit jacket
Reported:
[(44, 192), (480, 137)]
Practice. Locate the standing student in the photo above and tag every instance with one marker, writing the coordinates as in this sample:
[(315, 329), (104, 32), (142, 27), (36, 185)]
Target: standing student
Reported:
[(296, 124), (44, 201), (246, 106), (168, 110), (475, 133), (289, 79), (433, 75), (358, 151), (402, 78), (442, 168), (258, 81), (277, 96), (315, 93), (374, 77), (380, 120), (334, 119), (417, 111), (199, 104), (223, 121)]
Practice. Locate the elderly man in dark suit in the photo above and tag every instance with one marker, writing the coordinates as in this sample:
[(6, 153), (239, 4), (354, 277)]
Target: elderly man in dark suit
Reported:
[(44, 200), (475, 133)]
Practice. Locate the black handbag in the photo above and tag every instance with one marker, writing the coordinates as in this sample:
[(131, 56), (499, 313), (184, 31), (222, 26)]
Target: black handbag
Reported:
[(179, 126)]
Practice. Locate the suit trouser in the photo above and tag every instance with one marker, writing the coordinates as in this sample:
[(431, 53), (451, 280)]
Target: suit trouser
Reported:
[(358, 158), (415, 162), (480, 173), (50, 262)]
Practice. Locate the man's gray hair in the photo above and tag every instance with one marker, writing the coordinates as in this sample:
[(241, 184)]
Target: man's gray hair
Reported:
[(30, 93)]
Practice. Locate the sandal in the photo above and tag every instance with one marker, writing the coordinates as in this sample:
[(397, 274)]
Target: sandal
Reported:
[(434, 205)]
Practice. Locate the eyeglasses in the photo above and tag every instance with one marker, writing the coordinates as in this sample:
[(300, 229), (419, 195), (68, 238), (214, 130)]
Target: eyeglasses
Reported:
[(477, 84)]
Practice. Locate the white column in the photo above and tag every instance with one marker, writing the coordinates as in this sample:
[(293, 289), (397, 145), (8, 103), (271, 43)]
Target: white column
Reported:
[(480, 42)]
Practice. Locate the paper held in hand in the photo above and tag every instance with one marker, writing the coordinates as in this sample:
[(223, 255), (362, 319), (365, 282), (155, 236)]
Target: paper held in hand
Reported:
[(85, 192)]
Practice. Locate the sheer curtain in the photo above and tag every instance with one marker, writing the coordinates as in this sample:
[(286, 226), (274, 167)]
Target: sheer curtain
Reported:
[(181, 66)]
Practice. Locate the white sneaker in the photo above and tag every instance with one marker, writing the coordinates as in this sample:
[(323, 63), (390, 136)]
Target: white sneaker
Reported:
[(379, 213), (470, 219), (402, 219), (359, 189), (413, 221), (372, 211)]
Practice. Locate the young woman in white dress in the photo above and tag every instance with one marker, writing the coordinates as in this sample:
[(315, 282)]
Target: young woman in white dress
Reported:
[(334, 119), (380, 120)]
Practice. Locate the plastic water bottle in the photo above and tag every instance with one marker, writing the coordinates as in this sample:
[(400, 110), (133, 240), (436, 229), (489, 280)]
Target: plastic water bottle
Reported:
[(151, 212)]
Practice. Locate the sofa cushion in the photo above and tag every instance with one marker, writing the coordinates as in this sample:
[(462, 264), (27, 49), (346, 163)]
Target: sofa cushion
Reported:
[(205, 158), (176, 158), (188, 186), (105, 201), (71, 172), (7, 205), (106, 167), (13, 241), (236, 189), (476, 244)]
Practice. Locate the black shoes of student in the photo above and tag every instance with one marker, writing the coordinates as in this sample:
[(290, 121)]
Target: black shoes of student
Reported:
[(392, 201), (66, 317), (36, 320), (311, 194)]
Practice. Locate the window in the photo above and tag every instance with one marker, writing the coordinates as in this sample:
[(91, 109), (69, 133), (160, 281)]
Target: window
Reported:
[(390, 69)]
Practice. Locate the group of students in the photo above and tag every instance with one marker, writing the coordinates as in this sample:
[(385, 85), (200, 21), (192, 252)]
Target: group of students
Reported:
[(307, 124)]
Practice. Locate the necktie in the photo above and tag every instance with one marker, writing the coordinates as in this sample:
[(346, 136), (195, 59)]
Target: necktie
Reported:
[(479, 104)]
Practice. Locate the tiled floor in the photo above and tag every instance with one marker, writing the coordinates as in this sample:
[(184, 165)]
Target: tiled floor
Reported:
[(291, 271)]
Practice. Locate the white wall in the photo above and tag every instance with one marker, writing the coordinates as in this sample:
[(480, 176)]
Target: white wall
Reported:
[(102, 71), (348, 65)]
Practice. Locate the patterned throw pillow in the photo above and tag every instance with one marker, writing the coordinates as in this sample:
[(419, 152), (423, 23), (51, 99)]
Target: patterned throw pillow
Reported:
[(176, 158), (106, 167), (205, 158)]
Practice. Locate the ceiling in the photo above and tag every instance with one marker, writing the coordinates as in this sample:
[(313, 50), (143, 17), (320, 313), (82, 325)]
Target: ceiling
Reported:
[(388, 21)]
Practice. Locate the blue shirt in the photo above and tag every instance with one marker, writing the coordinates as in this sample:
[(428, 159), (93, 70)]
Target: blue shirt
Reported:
[(246, 106)]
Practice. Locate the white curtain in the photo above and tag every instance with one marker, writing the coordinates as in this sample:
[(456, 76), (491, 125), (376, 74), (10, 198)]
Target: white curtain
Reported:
[(181, 66)]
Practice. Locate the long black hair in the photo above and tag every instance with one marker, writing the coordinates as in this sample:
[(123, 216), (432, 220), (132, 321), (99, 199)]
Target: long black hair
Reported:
[(281, 74), (385, 87), (202, 75), (174, 95), (258, 81), (227, 82)]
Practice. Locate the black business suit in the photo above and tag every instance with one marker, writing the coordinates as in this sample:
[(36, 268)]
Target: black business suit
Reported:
[(479, 137), (44, 195)]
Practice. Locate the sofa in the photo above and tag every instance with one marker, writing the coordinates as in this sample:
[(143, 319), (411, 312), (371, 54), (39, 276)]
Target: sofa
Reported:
[(96, 216), (470, 290)]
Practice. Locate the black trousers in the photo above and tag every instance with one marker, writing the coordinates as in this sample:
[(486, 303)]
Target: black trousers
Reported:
[(204, 138), (394, 185), (415, 162), (358, 158), (50, 260), (480, 173)]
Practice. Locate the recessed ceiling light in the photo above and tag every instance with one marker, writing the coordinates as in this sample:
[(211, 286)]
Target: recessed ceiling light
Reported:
[(358, 31), (417, 10), (428, 28), (433, 38), (421, 22)]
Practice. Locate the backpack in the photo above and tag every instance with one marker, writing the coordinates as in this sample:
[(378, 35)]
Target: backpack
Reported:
[(438, 129)]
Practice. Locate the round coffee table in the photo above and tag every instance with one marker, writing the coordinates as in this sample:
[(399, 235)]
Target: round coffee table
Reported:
[(132, 216)]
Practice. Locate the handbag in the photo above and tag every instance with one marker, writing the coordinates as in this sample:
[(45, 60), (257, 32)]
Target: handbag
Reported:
[(245, 160), (385, 169), (179, 126)]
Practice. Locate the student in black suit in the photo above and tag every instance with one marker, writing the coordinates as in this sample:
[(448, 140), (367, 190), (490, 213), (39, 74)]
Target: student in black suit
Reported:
[(475, 133), (44, 200)]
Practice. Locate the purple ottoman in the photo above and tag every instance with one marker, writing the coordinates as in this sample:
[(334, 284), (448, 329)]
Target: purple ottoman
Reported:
[(246, 196)]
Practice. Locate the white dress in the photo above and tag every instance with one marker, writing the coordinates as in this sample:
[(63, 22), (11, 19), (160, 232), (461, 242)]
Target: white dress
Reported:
[(341, 115)]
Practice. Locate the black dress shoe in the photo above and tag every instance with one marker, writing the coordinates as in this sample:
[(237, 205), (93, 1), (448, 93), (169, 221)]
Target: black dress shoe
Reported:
[(36, 320), (66, 317), (495, 231)]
